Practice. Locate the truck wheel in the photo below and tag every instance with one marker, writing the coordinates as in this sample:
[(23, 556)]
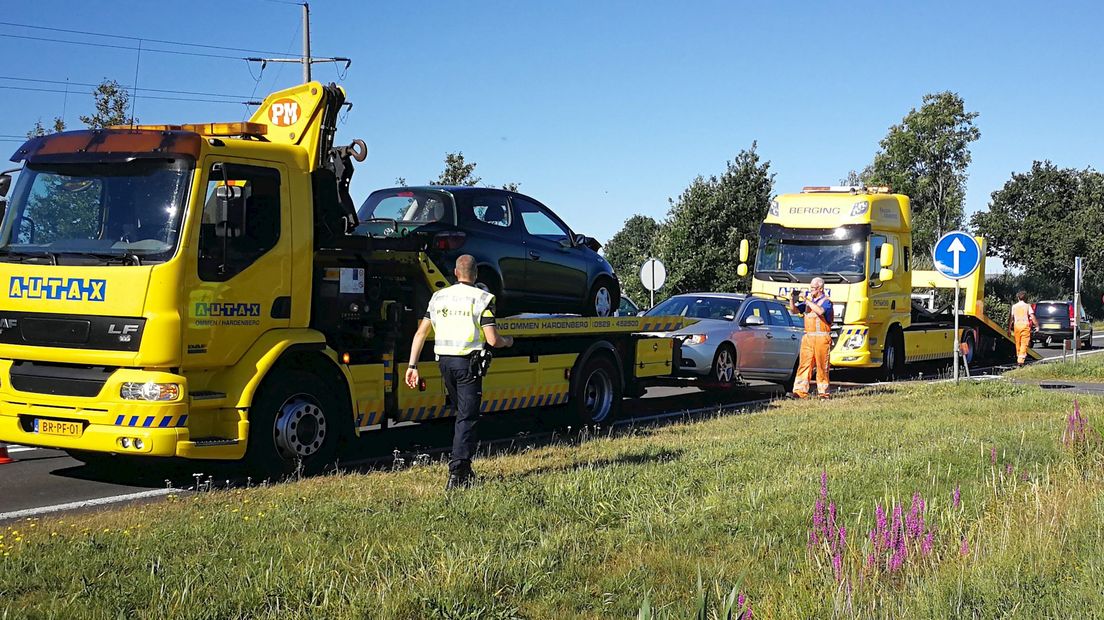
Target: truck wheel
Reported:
[(296, 419), (604, 298), (893, 355), (971, 347), (596, 394)]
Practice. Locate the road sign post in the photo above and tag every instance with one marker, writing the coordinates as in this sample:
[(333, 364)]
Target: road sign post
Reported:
[(1077, 266), (956, 256), (653, 275)]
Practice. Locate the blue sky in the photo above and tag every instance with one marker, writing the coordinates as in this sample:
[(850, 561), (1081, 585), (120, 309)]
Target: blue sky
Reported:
[(602, 109)]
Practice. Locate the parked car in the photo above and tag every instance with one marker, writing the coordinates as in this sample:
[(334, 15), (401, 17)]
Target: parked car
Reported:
[(1056, 324), (736, 337), (527, 256), (628, 307)]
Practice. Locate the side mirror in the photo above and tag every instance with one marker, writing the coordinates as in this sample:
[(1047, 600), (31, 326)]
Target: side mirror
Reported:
[(886, 257), (590, 242), (744, 250), (753, 320), (730, 316), (5, 184), (229, 211), (885, 275)]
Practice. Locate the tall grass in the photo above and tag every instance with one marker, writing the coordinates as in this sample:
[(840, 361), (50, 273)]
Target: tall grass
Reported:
[(597, 529), (1087, 368)]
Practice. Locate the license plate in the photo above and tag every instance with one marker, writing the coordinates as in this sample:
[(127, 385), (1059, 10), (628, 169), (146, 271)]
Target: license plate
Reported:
[(1050, 326), (55, 427)]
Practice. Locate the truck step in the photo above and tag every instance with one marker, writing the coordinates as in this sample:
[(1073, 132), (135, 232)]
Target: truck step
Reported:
[(213, 441), (207, 395)]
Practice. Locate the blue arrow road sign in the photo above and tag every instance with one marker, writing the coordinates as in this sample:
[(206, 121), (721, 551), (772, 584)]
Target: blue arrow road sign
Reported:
[(956, 255)]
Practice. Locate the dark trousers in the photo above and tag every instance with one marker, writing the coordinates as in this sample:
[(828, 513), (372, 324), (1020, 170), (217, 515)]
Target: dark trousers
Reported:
[(465, 395)]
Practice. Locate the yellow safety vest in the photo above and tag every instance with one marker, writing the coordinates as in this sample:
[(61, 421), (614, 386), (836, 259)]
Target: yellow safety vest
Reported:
[(456, 312)]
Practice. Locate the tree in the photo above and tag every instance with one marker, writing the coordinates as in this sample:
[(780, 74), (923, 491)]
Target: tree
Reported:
[(1040, 220), (925, 157), (457, 171), (627, 250), (702, 233), (39, 130), (112, 103)]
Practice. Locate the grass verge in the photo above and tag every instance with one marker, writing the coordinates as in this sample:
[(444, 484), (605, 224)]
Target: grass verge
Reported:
[(1088, 368), (1010, 526)]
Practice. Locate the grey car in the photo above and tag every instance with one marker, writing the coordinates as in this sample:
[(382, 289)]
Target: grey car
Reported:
[(737, 337)]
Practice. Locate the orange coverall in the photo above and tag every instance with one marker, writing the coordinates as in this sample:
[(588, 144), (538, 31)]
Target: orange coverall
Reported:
[(816, 348), (1023, 318)]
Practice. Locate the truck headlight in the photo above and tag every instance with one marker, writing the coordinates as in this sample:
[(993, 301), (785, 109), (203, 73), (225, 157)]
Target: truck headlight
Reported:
[(855, 341), (149, 391)]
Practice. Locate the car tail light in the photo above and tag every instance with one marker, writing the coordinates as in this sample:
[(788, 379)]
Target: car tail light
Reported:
[(1071, 311), (449, 240), (405, 194)]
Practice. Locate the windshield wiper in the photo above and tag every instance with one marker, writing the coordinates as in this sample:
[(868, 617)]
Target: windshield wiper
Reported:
[(779, 272), (837, 275), (126, 256), (23, 256)]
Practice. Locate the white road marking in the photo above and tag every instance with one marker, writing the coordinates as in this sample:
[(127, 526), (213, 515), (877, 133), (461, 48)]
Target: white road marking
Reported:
[(102, 501)]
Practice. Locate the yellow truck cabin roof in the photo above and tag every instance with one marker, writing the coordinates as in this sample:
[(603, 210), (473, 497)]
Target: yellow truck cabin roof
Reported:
[(832, 207)]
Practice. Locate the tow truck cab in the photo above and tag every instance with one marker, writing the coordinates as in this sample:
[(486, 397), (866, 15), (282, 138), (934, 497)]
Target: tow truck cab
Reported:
[(859, 240)]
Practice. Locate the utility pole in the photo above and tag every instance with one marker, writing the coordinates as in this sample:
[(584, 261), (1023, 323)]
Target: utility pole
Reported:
[(306, 60)]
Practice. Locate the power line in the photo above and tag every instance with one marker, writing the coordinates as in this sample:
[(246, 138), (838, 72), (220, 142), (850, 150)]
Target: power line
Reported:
[(147, 39), (58, 90), (127, 87), (119, 47)]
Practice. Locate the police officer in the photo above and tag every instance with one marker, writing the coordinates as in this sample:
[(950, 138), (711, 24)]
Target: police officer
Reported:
[(462, 317)]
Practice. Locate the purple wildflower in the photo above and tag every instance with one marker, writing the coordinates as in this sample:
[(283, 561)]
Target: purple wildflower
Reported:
[(824, 484), (740, 600), (965, 549), (837, 566), (896, 561), (871, 560), (956, 497), (1008, 468), (993, 456), (926, 546)]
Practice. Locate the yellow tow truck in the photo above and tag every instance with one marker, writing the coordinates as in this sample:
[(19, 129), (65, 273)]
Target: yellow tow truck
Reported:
[(859, 240), (194, 291)]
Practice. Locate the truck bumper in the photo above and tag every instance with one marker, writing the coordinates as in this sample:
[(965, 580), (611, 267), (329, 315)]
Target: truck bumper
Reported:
[(157, 429), (859, 356)]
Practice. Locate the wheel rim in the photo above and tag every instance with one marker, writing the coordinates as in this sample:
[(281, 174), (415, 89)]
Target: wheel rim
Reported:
[(598, 395), (725, 368), (300, 428), (602, 301)]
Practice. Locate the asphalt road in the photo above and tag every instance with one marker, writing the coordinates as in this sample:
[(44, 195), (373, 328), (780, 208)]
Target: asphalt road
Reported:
[(46, 481)]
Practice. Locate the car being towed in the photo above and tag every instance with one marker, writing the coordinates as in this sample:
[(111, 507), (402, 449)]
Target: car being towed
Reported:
[(526, 255), (736, 337)]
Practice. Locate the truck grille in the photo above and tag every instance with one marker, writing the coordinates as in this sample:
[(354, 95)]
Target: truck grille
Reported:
[(59, 379)]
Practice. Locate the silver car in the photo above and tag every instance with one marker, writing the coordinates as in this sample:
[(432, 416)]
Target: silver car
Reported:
[(737, 337)]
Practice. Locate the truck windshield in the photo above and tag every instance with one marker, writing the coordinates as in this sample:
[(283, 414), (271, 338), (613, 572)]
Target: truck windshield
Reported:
[(106, 213), (799, 255)]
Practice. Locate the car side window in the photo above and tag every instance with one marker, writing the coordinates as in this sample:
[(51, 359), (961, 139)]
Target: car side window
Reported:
[(755, 308), (492, 209), (778, 315), (228, 244), (538, 222)]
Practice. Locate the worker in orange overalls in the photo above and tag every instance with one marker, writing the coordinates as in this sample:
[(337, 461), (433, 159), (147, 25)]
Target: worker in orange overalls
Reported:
[(816, 346), (1021, 320)]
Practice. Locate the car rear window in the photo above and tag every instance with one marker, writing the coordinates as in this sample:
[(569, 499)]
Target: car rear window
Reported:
[(407, 207), (1052, 310)]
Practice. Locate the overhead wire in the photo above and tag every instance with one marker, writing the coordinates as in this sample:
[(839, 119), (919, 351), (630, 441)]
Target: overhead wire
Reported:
[(133, 38), (157, 97), (127, 87)]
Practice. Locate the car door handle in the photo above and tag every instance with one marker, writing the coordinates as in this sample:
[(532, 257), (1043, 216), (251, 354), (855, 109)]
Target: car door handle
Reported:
[(793, 336), (770, 335), (534, 255)]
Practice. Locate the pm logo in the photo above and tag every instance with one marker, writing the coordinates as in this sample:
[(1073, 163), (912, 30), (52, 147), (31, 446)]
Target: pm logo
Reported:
[(62, 289), (284, 112)]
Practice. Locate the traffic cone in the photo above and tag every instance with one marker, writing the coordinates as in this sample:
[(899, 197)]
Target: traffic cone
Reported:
[(4, 458)]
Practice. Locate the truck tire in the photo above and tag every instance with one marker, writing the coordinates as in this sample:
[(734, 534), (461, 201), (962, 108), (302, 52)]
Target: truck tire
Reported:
[(893, 355), (597, 391), (295, 422), (971, 347), (604, 298)]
